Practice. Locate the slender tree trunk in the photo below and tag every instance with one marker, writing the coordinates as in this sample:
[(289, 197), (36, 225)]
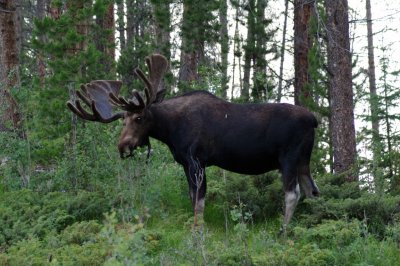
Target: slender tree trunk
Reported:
[(162, 25), (237, 53), (192, 51), (340, 89), (395, 180), (105, 45), (162, 14), (9, 63), (283, 46), (41, 67), (109, 24), (259, 91), (248, 50), (371, 74), (223, 18), (303, 10), (130, 22), (121, 24), (374, 102)]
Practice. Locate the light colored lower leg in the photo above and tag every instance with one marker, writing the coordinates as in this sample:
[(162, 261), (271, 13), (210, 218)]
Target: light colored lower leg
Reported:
[(291, 199), (198, 211)]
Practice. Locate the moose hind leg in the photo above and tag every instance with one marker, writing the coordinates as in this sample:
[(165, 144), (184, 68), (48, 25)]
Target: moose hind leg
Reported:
[(197, 190), (307, 183), (291, 199)]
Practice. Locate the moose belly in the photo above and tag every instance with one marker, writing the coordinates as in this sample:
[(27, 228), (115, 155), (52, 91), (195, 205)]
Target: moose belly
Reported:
[(250, 164)]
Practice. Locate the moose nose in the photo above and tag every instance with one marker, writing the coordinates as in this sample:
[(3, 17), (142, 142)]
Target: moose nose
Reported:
[(126, 146)]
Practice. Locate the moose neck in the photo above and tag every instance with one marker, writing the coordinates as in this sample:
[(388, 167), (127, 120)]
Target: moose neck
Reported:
[(162, 121)]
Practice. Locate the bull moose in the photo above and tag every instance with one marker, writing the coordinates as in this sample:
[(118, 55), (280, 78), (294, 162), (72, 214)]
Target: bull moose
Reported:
[(202, 130)]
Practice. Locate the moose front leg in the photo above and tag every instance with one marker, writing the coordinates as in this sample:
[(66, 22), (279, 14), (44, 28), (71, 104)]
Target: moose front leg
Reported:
[(196, 177)]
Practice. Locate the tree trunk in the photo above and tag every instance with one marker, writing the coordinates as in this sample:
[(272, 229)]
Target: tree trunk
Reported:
[(9, 63), (162, 14), (41, 67), (223, 19), (192, 51), (121, 24), (303, 10), (248, 50), (259, 91), (109, 22), (283, 46), (340, 89), (130, 22), (374, 102), (105, 22)]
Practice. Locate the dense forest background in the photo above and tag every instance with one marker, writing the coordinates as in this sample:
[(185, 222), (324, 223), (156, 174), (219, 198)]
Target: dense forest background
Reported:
[(67, 199)]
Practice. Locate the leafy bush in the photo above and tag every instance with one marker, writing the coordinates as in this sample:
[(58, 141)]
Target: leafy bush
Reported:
[(26, 213), (344, 201)]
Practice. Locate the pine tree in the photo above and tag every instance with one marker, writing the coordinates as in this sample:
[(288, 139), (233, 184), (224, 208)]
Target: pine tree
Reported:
[(303, 12), (374, 102), (198, 29), (224, 40), (139, 40), (69, 51), (249, 49), (282, 52), (340, 89), (162, 24), (255, 52), (10, 46)]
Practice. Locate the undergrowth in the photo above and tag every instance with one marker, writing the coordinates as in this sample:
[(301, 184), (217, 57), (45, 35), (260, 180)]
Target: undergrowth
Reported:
[(81, 211)]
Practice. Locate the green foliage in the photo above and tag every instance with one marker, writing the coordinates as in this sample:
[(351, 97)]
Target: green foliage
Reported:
[(251, 191), (67, 199), (25, 213), (341, 200), (72, 57)]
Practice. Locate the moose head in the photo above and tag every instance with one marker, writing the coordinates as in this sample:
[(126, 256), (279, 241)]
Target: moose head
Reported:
[(101, 95)]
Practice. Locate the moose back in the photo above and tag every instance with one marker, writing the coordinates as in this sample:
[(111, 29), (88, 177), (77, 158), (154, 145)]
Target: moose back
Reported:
[(202, 130)]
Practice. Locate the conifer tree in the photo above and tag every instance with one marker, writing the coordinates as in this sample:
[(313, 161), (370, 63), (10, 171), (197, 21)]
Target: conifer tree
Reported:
[(224, 41), (10, 38), (198, 29), (303, 11), (162, 25), (340, 89), (255, 52), (70, 53)]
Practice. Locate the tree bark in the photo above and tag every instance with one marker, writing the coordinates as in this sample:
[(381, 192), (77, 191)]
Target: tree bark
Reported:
[(9, 63), (340, 89), (259, 91), (121, 24), (248, 50), (41, 67), (303, 10), (109, 22), (374, 102), (192, 51), (283, 46), (223, 19), (162, 15), (106, 46)]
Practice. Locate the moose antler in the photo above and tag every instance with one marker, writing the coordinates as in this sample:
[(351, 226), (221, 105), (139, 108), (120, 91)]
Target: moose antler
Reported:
[(95, 95), (157, 65), (98, 95)]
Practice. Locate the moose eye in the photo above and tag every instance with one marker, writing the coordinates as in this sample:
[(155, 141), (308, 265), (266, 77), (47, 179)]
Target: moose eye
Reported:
[(139, 119)]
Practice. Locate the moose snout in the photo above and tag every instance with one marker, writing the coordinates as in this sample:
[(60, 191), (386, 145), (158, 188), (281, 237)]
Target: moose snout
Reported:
[(126, 146)]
